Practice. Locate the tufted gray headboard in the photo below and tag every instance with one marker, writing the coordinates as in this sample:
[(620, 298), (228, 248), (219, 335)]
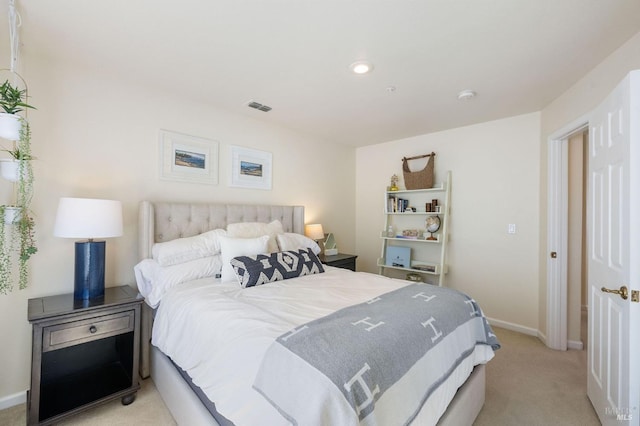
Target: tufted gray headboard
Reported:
[(165, 221)]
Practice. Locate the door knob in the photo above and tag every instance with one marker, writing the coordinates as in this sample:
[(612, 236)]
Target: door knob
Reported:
[(623, 292)]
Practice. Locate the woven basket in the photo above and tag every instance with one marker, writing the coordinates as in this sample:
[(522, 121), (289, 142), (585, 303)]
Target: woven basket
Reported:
[(421, 179)]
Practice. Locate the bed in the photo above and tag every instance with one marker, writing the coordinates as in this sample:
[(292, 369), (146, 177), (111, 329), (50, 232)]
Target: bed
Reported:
[(233, 379)]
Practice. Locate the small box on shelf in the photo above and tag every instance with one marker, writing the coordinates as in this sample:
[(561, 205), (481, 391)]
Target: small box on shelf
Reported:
[(424, 267)]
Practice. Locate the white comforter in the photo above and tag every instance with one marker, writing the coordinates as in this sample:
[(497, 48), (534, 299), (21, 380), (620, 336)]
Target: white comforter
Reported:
[(219, 332)]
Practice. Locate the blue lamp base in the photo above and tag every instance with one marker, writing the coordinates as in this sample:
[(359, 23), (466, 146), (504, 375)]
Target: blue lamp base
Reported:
[(89, 273)]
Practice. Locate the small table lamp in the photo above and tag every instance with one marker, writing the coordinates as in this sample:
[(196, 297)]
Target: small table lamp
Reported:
[(88, 218), (315, 232)]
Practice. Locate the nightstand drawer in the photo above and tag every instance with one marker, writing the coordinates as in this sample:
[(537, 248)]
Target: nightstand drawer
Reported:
[(74, 333)]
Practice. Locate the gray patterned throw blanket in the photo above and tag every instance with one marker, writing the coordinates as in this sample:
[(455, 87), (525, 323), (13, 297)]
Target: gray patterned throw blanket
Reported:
[(377, 362)]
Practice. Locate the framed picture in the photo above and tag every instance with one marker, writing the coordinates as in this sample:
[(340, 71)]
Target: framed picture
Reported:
[(250, 168), (398, 256), (187, 158)]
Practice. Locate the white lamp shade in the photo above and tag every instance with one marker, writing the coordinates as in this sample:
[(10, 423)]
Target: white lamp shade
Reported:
[(88, 218), (314, 231)]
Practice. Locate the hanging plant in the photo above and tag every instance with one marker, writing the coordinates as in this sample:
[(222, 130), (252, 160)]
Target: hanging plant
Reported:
[(17, 235), (10, 167), (12, 101)]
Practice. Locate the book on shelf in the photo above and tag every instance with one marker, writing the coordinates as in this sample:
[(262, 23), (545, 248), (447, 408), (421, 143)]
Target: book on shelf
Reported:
[(397, 205)]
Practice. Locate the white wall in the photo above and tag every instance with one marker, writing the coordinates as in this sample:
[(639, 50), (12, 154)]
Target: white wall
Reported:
[(97, 136), (495, 174)]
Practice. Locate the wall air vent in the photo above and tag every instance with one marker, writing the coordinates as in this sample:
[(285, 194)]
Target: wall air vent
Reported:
[(259, 106)]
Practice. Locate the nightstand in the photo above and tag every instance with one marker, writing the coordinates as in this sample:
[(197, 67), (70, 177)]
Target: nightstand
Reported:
[(340, 260), (84, 353)]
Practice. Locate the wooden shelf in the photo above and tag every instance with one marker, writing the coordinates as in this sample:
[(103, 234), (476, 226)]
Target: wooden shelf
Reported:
[(437, 267), (437, 188), (383, 235)]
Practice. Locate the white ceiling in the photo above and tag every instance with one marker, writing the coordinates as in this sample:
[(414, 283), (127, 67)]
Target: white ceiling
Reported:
[(294, 55)]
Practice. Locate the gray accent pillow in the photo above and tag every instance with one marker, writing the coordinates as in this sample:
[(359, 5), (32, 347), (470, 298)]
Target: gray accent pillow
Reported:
[(264, 268)]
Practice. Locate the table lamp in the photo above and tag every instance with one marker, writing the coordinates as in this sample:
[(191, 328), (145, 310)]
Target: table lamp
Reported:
[(314, 231), (88, 218)]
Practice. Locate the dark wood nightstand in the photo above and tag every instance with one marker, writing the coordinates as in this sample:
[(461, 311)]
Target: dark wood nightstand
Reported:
[(83, 353), (340, 260)]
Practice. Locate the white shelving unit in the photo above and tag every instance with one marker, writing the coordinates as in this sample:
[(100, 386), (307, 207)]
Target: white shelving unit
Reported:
[(428, 257)]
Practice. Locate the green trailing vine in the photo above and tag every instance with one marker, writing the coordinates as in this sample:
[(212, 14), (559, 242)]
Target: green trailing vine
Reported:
[(25, 195), (5, 257), (20, 242), (27, 249)]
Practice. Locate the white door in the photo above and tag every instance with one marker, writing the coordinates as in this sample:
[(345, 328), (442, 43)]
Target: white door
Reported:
[(613, 220)]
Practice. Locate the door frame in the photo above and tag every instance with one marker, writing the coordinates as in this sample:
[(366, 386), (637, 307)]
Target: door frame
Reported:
[(558, 230)]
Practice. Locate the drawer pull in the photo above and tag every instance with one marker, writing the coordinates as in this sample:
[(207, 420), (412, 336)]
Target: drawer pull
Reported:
[(92, 329)]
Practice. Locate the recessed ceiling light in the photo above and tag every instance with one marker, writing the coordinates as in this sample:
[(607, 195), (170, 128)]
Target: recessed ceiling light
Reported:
[(466, 95), (361, 67)]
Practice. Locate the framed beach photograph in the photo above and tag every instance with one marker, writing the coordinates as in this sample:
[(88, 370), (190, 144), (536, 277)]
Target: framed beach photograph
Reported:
[(250, 168), (187, 158)]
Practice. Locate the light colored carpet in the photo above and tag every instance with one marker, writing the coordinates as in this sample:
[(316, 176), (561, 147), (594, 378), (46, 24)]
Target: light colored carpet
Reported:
[(147, 409), (527, 384)]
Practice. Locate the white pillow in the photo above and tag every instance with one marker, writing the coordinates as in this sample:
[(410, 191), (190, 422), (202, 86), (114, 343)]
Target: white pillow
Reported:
[(291, 242), (257, 229), (155, 280), (233, 247), (190, 248)]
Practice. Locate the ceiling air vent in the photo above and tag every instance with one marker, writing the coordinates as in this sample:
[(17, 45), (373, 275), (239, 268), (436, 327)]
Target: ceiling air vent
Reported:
[(259, 106)]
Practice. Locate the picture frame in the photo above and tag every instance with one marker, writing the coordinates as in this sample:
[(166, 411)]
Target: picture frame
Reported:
[(185, 158), (250, 168), (398, 256)]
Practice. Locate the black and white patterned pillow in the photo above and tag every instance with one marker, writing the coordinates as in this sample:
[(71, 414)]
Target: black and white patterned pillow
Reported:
[(265, 268)]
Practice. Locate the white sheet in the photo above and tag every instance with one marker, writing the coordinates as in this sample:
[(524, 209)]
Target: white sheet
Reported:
[(218, 332)]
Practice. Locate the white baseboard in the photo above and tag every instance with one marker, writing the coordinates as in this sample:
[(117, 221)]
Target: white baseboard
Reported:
[(13, 400), (576, 345), (514, 327), (542, 337), (571, 344)]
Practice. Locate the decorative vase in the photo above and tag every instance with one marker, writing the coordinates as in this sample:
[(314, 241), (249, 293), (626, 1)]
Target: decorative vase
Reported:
[(10, 169), (12, 214), (10, 125)]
